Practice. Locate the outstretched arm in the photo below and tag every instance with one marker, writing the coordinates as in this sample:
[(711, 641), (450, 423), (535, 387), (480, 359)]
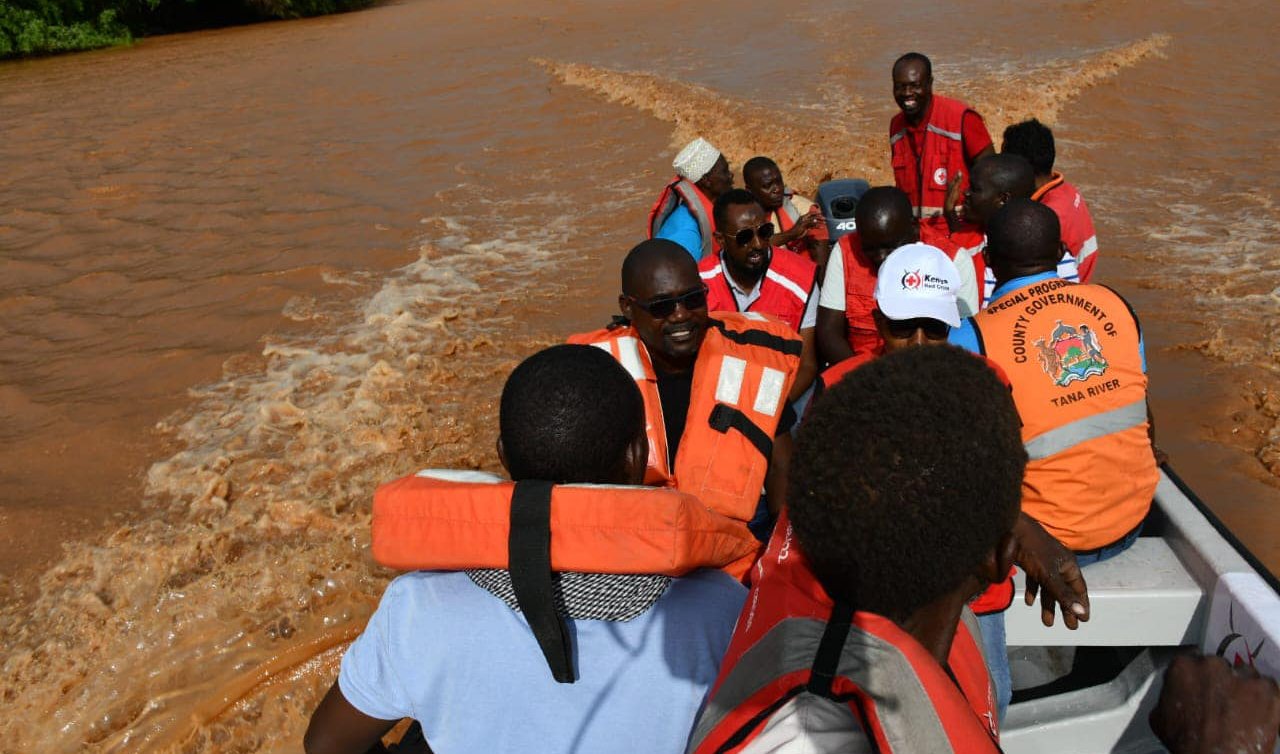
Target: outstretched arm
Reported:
[(1206, 706), (1052, 571), (339, 728)]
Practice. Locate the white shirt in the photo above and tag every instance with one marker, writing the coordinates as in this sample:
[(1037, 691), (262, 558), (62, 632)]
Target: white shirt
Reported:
[(832, 296), (810, 724)]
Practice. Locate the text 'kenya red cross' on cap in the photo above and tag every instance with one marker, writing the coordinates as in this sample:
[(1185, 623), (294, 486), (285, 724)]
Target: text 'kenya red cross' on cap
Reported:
[(919, 280)]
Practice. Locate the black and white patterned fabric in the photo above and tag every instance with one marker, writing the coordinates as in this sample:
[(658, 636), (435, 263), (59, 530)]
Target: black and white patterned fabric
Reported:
[(585, 596)]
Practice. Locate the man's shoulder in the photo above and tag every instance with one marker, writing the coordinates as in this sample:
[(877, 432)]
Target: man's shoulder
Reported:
[(793, 263), (709, 264), (707, 589)]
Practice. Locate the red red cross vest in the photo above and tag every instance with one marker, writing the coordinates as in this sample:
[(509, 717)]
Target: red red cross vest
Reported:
[(744, 371), (859, 298), (924, 176), (680, 191), (791, 639), (784, 292)]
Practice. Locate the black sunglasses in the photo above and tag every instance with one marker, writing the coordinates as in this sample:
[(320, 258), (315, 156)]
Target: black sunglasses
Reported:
[(764, 232), (661, 308), (934, 329)]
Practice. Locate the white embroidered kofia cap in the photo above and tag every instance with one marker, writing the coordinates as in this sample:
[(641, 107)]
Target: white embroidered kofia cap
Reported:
[(695, 160)]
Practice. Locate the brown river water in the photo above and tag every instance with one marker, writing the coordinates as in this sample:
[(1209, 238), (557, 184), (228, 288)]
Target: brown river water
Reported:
[(246, 275)]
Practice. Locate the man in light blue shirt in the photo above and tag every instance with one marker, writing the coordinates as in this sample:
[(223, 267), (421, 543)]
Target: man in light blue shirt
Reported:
[(458, 651), (683, 212)]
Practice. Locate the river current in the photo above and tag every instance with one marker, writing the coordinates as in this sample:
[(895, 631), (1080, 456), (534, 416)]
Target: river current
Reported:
[(247, 275)]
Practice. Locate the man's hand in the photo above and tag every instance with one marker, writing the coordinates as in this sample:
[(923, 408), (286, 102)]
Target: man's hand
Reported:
[(1206, 706), (951, 203), (807, 222), (1050, 567)]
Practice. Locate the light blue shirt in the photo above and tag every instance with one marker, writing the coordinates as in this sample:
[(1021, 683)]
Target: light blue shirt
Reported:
[(966, 335), (445, 652), (681, 227)]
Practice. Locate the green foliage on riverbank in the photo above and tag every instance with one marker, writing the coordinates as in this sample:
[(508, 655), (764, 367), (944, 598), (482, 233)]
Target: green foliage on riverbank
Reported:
[(41, 27)]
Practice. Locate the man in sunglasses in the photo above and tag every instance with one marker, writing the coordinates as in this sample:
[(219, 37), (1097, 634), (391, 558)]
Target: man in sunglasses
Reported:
[(714, 388), (750, 274)]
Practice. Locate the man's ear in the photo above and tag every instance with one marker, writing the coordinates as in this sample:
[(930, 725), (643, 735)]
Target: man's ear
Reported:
[(637, 459), (624, 305), (996, 564), (502, 457)]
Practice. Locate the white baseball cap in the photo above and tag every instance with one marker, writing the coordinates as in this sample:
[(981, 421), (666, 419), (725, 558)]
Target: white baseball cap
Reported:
[(919, 280), (696, 159)]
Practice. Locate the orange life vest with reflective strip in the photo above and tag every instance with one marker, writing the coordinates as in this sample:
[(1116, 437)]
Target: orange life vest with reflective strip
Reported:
[(680, 191), (448, 522), (744, 371), (792, 639), (1072, 354), (924, 176), (784, 292)]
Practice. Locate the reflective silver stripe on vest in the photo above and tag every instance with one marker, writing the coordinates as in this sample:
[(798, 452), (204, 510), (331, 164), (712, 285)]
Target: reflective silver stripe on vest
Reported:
[(1089, 428), (874, 665), (949, 134), (895, 138), (689, 194)]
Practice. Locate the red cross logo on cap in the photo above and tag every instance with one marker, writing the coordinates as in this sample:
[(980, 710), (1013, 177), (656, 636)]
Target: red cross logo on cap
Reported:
[(911, 280)]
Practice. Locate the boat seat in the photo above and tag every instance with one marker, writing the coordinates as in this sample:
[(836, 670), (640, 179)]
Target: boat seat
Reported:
[(1142, 597)]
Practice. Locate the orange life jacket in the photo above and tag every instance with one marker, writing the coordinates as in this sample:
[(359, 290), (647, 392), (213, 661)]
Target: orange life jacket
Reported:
[(535, 529), (680, 191), (924, 176), (784, 292), (859, 298), (444, 521), (744, 371), (1071, 352), (792, 639)]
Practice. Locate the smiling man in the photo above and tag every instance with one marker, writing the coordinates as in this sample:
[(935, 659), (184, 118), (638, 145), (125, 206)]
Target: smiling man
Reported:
[(752, 274), (934, 141), (714, 387)]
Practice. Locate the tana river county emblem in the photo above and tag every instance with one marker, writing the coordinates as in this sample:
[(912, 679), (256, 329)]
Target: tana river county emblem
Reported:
[(1071, 354)]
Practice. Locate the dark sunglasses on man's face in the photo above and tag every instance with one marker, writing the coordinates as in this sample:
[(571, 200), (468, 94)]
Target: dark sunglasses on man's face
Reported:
[(764, 232), (934, 329), (661, 308)]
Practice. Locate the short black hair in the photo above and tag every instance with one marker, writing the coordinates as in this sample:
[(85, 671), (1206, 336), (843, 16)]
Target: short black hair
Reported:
[(1025, 232), (734, 197), (1032, 140), (645, 256), (568, 415), (1010, 173), (882, 202), (915, 56), (907, 474), (759, 162)]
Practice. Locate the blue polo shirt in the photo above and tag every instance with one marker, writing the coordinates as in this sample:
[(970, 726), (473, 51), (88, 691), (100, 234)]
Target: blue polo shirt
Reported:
[(966, 336), (681, 227)]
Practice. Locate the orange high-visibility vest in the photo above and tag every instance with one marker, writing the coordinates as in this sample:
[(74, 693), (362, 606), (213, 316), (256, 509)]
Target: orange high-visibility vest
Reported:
[(1071, 352), (744, 371), (437, 521), (680, 191), (792, 639)]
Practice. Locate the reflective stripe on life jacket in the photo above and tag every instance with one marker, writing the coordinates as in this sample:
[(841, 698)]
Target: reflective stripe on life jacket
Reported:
[(924, 176), (681, 191), (791, 639), (1072, 354), (744, 370), (447, 521), (784, 292), (1078, 234), (859, 298)]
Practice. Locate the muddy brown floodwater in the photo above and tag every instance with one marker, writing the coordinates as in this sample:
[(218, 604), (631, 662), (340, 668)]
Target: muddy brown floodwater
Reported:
[(246, 275)]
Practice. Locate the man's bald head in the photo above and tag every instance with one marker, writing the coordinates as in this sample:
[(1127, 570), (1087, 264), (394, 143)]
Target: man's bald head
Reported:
[(1023, 238), (994, 181), (647, 257), (885, 221)]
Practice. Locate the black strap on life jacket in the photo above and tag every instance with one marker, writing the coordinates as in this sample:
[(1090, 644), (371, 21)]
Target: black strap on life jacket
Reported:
[(788, 346), (724, 417), (826, 661), (529, 562)]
